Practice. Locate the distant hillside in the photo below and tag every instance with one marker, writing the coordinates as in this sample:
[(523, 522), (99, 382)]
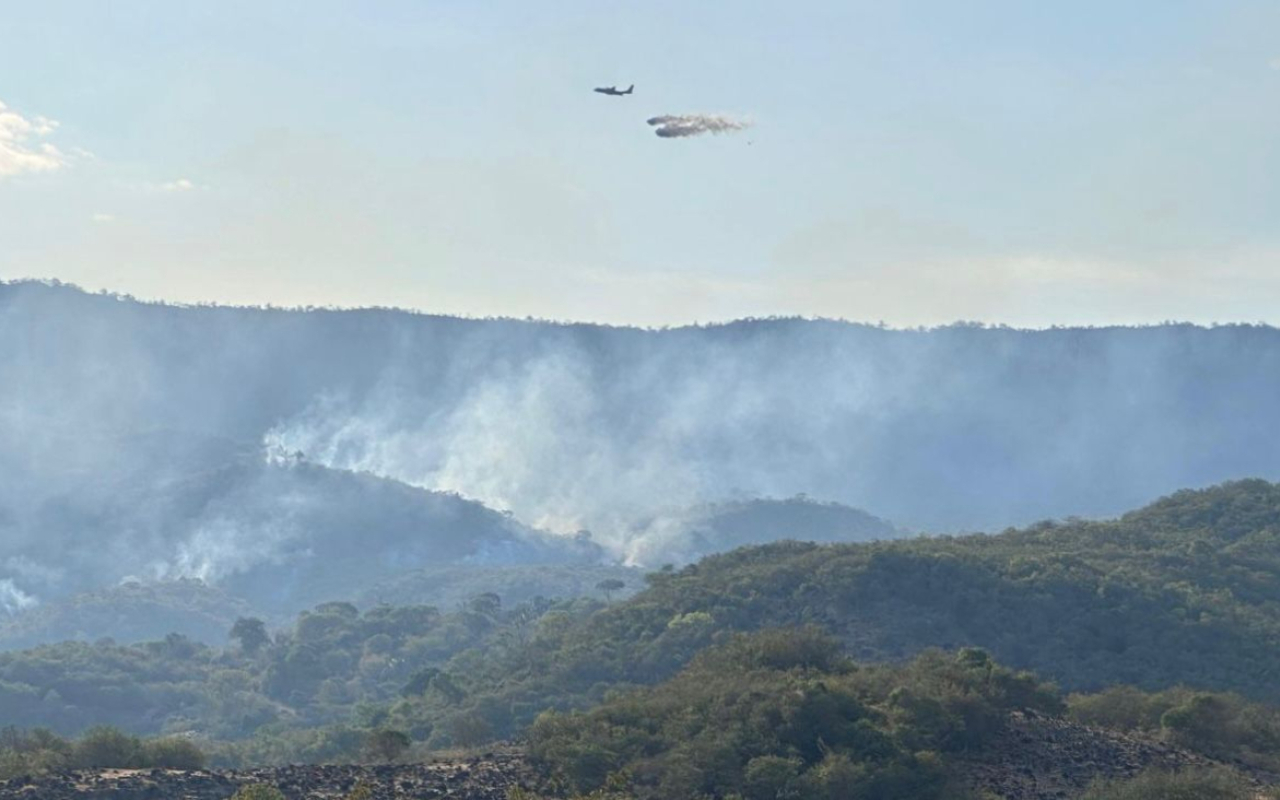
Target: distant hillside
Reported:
[(449, 587), (575, 426), (223, 533), (131, 612), (725, 526), (268, 537), (678, 536)]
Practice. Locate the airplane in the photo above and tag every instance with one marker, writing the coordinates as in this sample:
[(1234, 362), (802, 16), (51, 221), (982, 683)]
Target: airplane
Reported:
[(613, 90)]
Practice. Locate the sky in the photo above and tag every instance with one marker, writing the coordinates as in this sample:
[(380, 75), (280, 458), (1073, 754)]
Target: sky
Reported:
[(914, 163)]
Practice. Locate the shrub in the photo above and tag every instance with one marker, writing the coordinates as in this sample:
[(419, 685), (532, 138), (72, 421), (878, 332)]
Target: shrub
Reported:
[(258, 791), (105, 746), (386, 745)]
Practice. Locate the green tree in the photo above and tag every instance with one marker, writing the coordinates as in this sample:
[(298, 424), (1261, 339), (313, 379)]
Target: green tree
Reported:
[(771, 777), (468, 729), (609, 586), (251, 633), (385, 745)]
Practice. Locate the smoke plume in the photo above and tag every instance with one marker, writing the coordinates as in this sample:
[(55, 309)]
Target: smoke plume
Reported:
[(678, 126)]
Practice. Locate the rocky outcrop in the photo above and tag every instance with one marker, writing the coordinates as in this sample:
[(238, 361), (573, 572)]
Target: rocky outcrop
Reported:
[(1047, 758), (487, 778)]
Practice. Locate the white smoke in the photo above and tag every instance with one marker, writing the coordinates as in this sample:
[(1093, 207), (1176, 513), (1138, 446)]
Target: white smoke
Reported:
[(221, 547), (537, 441), (678, 126), (13, 599), (566, 442)]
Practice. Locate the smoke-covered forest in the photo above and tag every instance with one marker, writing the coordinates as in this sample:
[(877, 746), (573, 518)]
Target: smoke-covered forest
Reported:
[(258, 450)]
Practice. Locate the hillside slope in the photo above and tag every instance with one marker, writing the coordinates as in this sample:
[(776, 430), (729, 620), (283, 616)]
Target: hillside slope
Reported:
[(269, 538), (1185, 591)]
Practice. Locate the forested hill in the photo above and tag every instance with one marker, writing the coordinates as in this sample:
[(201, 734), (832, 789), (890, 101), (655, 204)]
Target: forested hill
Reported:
[(955, 428), (1184, 591)]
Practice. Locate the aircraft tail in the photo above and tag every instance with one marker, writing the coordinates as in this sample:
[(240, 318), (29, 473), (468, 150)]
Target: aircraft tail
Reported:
[(631, 88)]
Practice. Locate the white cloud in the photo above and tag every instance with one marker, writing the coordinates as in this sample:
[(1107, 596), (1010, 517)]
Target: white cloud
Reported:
[(104, 218), (21, 150), (175, 186)]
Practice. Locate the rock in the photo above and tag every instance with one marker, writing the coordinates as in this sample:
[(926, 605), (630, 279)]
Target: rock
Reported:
[(477, 779)]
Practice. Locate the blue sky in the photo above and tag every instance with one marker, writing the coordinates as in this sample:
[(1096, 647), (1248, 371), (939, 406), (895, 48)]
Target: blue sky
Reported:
[(912, 162)]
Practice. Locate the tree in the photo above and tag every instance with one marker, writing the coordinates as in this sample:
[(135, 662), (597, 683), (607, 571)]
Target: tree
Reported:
[(487, 604), (386, 745), (251, 633), (609, 586), (468, 729)]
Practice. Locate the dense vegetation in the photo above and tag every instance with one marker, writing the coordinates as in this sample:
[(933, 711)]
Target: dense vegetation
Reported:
[(335, 666), (782, 714), (41, 750), (1183, 592), (133, 611), (137, 611), (1219, 725)]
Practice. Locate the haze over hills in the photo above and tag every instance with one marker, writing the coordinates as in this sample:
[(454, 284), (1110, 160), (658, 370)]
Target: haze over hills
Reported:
[(262, 450)]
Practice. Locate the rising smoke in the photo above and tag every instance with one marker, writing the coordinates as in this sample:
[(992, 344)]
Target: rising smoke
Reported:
[(13, 599), (678, 126)]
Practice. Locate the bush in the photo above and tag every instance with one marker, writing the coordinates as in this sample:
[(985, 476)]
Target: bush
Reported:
[(173, 752), (386, 745), (107, 747), (1124, 708), (1202, 723)]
